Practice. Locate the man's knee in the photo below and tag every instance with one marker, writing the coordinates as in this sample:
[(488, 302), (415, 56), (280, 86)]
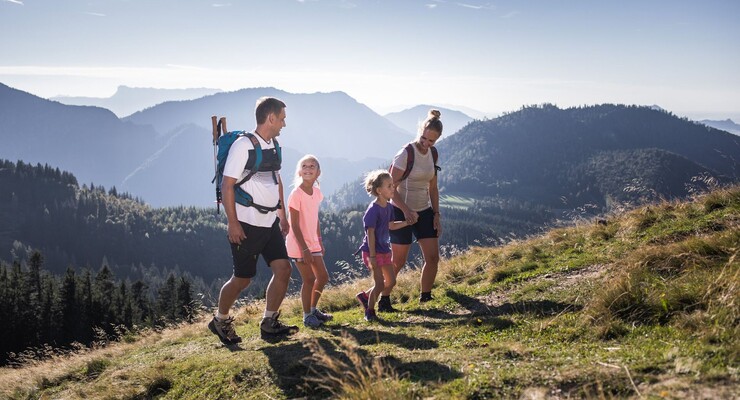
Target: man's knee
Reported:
[(238, 283), (281, 269)]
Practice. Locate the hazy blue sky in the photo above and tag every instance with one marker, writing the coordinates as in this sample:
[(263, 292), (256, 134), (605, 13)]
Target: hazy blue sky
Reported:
[(492, 56)]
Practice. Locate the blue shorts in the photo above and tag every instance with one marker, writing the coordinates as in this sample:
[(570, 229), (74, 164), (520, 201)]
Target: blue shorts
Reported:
[(266, 241), (422, 229)]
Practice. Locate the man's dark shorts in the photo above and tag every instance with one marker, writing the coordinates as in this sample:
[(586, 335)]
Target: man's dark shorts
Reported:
[(422, 229), (266, 241)]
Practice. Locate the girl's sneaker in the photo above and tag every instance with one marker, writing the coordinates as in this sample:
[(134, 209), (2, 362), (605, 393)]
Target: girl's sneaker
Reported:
[(311, 321), (370, 315), (322, 316), (362, 298)]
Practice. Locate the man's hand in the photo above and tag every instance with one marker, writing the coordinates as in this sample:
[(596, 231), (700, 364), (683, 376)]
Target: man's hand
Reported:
[(284, 226), (235, 232)]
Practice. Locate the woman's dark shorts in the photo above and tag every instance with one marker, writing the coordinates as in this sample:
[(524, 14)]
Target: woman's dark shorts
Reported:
[(422, 229), (260, 240)]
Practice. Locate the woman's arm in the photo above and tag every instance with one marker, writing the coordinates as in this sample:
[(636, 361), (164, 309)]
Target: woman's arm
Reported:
[(434, 198), (411, 216)]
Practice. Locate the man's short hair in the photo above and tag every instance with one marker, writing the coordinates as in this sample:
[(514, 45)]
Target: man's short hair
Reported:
[(266, 106)]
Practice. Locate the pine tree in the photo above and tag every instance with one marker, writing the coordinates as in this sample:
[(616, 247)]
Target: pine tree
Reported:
[(185, 310), (141, 307), (166, 299), (85, 302), (70, 311), (103, 293)]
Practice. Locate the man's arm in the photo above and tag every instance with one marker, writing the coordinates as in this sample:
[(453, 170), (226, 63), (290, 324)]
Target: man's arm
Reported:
[(284, 225), (235, 231)]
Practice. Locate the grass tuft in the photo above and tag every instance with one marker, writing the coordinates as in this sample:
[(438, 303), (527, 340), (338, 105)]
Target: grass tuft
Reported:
[(353, 376)]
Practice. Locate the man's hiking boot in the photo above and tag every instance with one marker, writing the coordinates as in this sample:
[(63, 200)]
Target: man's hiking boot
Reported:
[(224, 330), (322, 316), (384, 305), (425, 296), (311, 321), (273, 327), (362, 298), (370, 315)]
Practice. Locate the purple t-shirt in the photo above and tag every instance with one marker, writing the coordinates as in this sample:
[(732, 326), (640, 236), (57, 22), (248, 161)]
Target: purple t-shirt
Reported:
[(378, 217)]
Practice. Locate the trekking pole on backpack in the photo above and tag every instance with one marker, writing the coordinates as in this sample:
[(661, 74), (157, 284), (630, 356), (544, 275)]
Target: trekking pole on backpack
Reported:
[(216, 135)]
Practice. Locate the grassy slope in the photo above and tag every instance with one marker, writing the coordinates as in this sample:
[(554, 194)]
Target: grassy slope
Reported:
[(645, 305)]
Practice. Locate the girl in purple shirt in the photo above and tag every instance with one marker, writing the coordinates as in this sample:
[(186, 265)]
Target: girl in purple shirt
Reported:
[(376, 248)]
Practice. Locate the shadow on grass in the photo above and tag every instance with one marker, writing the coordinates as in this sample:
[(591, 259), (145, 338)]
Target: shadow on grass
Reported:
[(540, 308), (292, 364), (295, 371), (424, 371), (369, 336)]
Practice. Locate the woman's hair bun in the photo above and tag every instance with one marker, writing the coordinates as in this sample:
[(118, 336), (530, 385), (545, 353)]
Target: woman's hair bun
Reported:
[(434, 113)]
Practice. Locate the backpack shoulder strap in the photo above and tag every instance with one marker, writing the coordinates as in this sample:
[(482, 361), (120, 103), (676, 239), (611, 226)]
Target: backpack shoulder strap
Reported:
[(257, 158), (278, 150), (435, 157), (409, 160)]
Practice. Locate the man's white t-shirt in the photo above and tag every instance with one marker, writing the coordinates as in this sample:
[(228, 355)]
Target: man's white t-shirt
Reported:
[(261, 186)]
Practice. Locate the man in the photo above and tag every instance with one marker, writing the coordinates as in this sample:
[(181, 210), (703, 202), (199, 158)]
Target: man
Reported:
[(255, 230)]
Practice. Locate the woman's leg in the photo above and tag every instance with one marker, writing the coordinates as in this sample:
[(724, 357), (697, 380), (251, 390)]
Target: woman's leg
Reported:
[(308, 280), (389, 278), (400, 253), (430, 251)]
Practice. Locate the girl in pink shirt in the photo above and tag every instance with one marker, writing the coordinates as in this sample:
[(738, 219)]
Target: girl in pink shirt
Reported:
[(304, 239)]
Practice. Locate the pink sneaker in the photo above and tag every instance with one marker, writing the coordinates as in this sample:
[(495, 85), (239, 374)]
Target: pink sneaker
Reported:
[(362, 298)]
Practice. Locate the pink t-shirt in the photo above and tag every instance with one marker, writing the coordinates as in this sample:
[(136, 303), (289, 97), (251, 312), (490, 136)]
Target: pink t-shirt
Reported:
[(308, 209)]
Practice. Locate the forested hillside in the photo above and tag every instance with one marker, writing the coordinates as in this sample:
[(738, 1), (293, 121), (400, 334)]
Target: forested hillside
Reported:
[(45, 315), (576, 161), (586, 155), (45, 209)]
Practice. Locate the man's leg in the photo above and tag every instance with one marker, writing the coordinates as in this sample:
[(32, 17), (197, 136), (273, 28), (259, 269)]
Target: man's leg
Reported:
[(278, 286), (274, 296), (230, 292), (222, 325)]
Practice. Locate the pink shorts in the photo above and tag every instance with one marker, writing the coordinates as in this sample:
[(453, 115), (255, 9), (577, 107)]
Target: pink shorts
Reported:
[(380, 258)]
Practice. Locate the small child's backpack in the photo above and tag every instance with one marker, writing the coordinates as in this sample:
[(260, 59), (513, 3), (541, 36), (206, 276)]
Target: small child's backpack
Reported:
[(410, 154), (221, 146)]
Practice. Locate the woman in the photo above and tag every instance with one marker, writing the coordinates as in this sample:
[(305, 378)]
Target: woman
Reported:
[(416, 200)]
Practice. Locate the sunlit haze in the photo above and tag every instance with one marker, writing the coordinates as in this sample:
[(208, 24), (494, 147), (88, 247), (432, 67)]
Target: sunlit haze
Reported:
[(491, 56)]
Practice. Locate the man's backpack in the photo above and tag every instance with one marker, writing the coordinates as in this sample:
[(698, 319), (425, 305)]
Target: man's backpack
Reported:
[(410, 155), (222, 144)]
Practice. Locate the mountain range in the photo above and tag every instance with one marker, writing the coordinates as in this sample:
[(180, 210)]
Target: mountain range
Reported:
[(127, 100), (585, 155), (169, 145), (562, 158), (409, 119), (725, 125), (595, 157)]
